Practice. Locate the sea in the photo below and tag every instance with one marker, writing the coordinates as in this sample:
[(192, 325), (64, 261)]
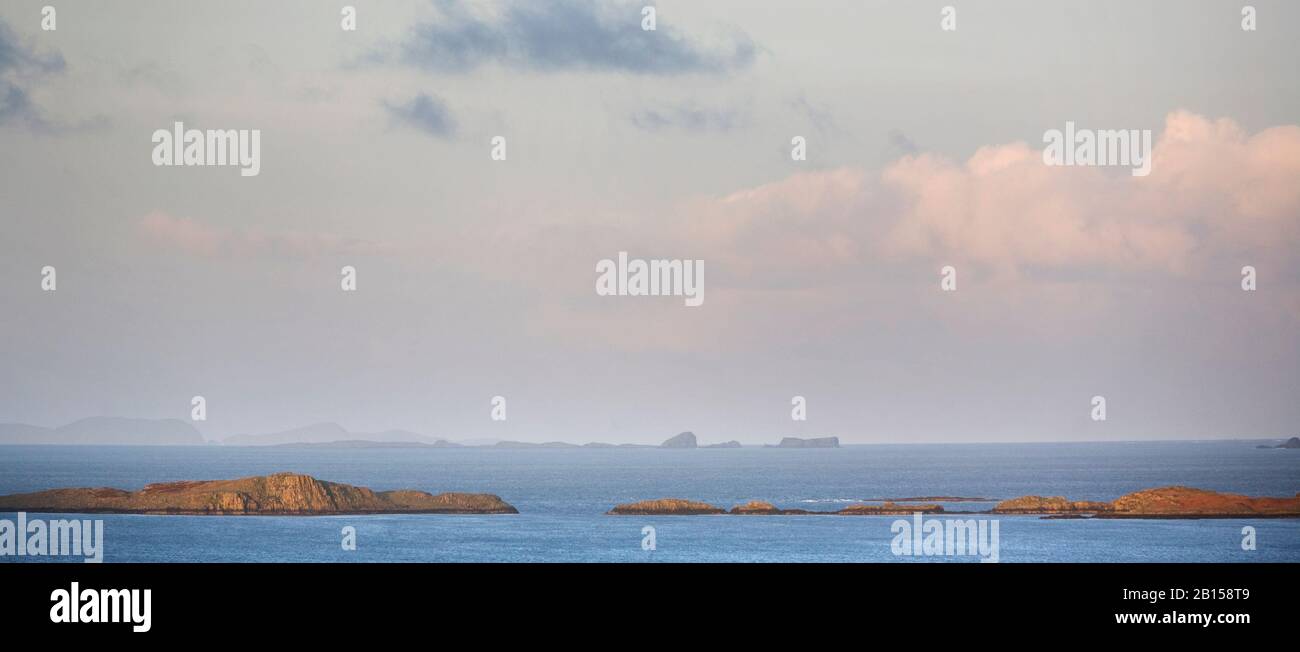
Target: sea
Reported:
[(563, 496)]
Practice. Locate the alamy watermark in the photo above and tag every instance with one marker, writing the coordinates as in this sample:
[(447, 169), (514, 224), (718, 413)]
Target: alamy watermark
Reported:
[(657, 278), (949, 537), (57, 538), (78, 605), (1106, 147), (194, 147)]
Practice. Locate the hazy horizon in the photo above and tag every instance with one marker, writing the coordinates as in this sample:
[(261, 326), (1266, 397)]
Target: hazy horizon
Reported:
[(475, 278)]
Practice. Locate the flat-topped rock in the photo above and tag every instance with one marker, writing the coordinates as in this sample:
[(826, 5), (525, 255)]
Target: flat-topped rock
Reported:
[(279, 494), (755, 507), (678, 506), (1049, 505), (889, 509), (814, 442), (666, 507)]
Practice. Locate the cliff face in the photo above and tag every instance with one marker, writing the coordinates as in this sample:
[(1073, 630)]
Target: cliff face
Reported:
[(281, 493), (666, 507)]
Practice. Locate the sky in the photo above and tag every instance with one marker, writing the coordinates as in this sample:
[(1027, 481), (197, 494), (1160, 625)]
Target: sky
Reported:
[(476, 277)]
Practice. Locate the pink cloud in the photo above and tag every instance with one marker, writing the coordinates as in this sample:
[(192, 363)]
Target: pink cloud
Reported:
[(1212, 189), (203, 240)]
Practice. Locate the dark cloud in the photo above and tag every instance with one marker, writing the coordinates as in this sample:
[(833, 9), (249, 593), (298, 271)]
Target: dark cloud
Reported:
[(900, 142), (818, 115), (566, 35), (688, 117), (426, 113), (19, 66)]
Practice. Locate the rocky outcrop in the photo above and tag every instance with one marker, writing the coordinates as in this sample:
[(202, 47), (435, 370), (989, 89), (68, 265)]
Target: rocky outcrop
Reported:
[(684, 440), (726, 444), (755, 507), (666, 507), (889, 509), (1186, 502), (815, 442), (1162, 502), (677, 506), (281, 494), (1049, 505)]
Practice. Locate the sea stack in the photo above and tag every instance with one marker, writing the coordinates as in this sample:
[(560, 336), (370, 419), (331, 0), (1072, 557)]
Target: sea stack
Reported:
[(684, 440)]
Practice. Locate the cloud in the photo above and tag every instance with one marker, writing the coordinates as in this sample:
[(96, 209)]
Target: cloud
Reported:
[(1216, 197), (819, 116), (19, 67), (565, 35), (426, 113), (1049, 243), (687, 117), (192, 237), (1212, 191), (902, 143)]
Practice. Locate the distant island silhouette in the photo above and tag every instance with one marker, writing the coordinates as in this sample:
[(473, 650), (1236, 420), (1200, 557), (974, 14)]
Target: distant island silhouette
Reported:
[(175, 432)]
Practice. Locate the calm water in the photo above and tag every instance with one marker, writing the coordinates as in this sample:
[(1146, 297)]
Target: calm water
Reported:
[(562, 496)]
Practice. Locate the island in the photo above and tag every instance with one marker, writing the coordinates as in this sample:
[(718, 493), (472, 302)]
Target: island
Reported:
[(682, 507), (815, 442), (683, 440), (1293, 442), (1161, 502), (278, 494), (666, 506)]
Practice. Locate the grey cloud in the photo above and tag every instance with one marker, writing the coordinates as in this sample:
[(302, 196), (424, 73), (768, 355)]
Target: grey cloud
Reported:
[(566, 35), (901, 142), (688, 117), (426, 113), (819, 115), (19, 66)]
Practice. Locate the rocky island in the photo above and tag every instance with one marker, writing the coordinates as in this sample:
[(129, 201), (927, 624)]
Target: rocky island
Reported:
[(1162, 502), (278, 494), (681, 507), (666, 507), (1293, 442)]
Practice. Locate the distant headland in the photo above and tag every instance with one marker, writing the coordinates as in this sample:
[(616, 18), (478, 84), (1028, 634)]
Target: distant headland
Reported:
[(278, 494)]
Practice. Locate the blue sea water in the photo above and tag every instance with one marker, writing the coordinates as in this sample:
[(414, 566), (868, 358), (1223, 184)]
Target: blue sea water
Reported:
[(563, 495)]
